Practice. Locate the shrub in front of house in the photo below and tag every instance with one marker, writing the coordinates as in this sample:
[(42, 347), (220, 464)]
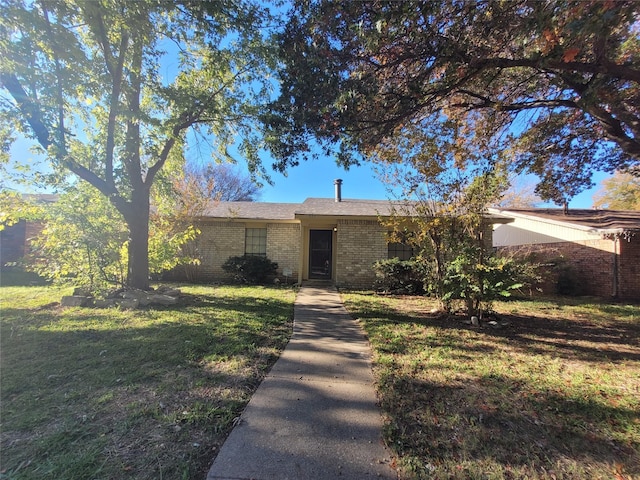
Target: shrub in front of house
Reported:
[(250, 268), (569, 282), (399, 276)]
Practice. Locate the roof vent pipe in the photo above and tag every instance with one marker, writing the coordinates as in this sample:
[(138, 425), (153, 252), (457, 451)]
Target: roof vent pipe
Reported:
[(338, 183)]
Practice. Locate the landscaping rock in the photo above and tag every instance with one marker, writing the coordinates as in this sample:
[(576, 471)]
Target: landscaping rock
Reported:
[(74, 301), (163, 300), (116, 293), (128, 303), (166, 290), (145, 300), (126, 299), (104, 303), (132, 294)]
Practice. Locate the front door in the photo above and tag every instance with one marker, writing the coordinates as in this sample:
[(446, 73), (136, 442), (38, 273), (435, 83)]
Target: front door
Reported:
[(320, 253)]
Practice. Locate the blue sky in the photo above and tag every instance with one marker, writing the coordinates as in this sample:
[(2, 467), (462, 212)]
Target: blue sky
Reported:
[(315, 179), (310, 179)]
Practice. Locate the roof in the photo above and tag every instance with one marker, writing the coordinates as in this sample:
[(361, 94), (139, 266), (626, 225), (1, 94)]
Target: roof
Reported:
[(325, 207), (289, 211), (41, 197), (604, 221), (252, 210), (345, 207)]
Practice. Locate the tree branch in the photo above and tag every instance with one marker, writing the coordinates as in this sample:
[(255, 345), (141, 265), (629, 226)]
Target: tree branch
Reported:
[(188, 119), (117, 77), (131, 159), (486, 102), (606, 67), (61, 143), (28, 108), (33, 115), (614, 130)]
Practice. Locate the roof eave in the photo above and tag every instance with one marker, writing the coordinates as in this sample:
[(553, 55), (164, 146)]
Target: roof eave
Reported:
[(561, 223)]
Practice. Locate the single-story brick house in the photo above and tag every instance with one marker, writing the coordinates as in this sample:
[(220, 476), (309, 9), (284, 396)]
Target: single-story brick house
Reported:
[(331, 239), (603, 246)]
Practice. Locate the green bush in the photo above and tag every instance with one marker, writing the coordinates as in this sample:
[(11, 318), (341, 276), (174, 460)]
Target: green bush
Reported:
[(399, 276), (250, 269), (478, 280), (568, 282)]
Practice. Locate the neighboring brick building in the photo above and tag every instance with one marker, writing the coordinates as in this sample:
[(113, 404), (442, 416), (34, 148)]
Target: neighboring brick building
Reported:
[(15, 240), (602, 246), (330, 239)]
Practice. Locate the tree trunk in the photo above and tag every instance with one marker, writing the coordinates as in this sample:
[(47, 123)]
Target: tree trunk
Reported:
[(138, 224)]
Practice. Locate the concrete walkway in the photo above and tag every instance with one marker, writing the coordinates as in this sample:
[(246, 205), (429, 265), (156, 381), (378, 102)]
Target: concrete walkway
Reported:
[(314, 417)]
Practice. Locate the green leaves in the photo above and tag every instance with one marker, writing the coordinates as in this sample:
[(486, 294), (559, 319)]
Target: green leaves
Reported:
[(84, 241), (479, 279), (552, 85), (619, 192), (112, 91)]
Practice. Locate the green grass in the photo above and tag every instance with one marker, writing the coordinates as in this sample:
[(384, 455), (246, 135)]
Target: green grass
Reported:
[(144, 394), (15, 276), (553, 394)]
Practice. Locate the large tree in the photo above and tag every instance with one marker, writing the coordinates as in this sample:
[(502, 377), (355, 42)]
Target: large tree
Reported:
[(619, 192), (111, 89), (217, 182), (557, 82)]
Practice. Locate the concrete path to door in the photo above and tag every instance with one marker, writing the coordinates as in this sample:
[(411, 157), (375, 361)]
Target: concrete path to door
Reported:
[(315, 415)]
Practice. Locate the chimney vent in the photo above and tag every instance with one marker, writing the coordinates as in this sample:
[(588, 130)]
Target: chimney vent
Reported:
[(338, 183)]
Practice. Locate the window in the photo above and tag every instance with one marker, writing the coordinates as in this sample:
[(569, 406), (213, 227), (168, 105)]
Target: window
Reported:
[(401, 251), (255, 242)]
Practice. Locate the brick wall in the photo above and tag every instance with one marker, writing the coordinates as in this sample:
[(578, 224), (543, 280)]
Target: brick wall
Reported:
[(217, 242), (221, 240), (15, 241), (359, 244), (12, 243), (283, 247), (593, 264), (629, 267)]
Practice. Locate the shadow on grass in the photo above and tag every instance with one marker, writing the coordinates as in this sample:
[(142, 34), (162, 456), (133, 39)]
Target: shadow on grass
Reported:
[(614, 341), (151, 393), (216, 328), (528, 400), (453, 425)]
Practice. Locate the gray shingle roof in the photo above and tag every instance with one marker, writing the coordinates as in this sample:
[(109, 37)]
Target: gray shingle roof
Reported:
[(623, 220), (347, 207), (288, 211), (252, 210)]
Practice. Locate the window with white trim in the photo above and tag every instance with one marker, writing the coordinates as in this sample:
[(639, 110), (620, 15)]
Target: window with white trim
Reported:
[(401, 251), (255, 242)]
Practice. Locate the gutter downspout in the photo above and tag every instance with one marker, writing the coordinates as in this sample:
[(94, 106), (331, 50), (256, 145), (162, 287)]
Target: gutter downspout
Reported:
[(616, 259)]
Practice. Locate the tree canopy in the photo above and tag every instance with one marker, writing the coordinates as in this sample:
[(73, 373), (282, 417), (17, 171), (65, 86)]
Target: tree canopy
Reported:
[(553, 84), (619, 192), (109, 90), (218, 182)]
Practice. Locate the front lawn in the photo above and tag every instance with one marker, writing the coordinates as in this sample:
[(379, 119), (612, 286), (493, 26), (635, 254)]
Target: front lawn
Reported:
[(552, 391), (143, 394)]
